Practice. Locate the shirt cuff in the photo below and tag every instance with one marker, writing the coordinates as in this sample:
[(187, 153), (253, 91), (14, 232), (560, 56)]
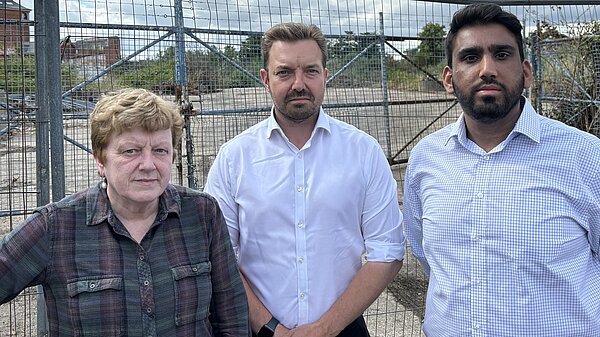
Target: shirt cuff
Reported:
[(385, 252)]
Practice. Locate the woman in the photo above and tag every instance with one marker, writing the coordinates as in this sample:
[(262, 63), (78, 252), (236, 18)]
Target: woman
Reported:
[(134, 255)]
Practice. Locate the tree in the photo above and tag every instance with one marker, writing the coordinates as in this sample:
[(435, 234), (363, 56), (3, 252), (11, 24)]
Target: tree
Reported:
[(250, 50), (350, 44), (431, 49)]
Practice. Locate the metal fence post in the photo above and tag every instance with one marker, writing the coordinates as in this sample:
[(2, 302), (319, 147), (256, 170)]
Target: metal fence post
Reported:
[(384, 88), (51, 81), (182, 94), (42, 137), (536, 66), (49, 128)]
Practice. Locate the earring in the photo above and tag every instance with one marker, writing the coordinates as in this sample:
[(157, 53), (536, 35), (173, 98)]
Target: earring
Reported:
[(103, 183)]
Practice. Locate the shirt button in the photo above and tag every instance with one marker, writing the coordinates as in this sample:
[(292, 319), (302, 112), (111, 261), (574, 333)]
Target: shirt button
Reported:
[(301, 224), (300, 260), (488, 157), (480, 195), (302, 295), (299, 188)]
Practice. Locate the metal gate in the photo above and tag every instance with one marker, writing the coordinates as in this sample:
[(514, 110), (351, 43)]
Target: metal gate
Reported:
[(385, 60)]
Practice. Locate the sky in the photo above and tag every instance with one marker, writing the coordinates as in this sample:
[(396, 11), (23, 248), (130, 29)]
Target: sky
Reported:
[(405, 16), (402, 18)]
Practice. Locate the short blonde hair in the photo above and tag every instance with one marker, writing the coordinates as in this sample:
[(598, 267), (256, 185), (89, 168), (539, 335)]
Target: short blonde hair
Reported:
[(128, 109)]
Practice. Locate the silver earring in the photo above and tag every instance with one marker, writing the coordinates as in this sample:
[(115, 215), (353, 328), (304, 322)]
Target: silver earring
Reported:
[(103, 183)]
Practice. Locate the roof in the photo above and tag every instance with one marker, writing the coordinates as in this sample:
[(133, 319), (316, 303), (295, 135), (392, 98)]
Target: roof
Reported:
[(10, 4)]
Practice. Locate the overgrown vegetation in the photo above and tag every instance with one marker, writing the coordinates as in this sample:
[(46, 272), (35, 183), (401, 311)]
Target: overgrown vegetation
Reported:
[(17, 73), (357, 58), (431, 50), (428, 58), (567, 80)]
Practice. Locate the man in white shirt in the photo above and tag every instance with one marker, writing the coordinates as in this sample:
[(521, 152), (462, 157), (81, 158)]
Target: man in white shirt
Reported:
[(305, 196)]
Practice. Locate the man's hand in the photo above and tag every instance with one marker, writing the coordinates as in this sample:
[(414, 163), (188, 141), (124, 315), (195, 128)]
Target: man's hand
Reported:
[(363, 290), (281, 331), (308, 330)]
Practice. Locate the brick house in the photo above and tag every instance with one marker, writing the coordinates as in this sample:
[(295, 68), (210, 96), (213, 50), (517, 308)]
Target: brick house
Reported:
[(94, 53), (14, 28)]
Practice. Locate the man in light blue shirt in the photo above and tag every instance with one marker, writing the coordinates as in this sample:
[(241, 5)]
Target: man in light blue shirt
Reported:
[(502, 207)]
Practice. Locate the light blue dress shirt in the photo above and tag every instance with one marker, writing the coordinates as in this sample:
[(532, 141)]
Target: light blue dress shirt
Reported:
[(509, 238)]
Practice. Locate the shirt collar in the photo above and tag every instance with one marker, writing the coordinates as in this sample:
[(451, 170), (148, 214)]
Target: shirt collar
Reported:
[(98, 205), (528, 125), (458, 130), (323, 122)]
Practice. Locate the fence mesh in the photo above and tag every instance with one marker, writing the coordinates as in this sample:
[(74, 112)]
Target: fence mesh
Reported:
[(385, 59)]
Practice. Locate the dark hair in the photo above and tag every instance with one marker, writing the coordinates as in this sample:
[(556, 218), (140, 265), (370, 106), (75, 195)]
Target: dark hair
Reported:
[(482, 14), (290, 32)]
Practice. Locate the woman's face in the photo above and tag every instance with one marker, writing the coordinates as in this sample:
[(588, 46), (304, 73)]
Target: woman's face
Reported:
[(137, 166)]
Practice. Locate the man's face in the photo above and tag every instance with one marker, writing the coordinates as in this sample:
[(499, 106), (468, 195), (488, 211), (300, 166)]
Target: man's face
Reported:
[(487, 74), (295, 78)]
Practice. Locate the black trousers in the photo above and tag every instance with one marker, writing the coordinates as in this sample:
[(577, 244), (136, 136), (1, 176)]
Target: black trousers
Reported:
[(358, 328)]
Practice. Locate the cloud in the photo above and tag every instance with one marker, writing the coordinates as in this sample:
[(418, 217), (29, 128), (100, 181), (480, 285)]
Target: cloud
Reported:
[(401, 18)]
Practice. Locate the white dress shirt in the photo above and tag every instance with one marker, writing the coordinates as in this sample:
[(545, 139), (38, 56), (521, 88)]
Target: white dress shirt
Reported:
[(300, 220), (510, 238)]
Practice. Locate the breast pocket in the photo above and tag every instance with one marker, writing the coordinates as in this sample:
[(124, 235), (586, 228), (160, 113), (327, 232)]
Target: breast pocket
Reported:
[(97, 306), (193, 292)]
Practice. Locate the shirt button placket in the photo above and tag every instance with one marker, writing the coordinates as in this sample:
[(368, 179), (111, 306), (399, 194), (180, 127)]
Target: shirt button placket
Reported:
[(144, 273), (478, 258), (300, 233)]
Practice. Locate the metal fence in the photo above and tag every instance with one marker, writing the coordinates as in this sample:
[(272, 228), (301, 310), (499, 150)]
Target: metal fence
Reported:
[(385, 61)]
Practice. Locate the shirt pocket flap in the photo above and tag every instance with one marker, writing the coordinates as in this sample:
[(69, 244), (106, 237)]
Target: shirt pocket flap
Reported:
[(90, 285), (191, 270)]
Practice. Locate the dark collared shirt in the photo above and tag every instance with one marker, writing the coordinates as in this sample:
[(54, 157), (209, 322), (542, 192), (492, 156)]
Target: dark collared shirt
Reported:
[(182, 280)]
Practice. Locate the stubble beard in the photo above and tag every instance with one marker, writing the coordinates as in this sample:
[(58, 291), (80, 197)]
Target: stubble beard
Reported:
[(298, 113)]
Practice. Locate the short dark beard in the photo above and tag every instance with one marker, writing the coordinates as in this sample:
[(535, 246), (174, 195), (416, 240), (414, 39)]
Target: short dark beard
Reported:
[(491, 110), (299, 116)]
